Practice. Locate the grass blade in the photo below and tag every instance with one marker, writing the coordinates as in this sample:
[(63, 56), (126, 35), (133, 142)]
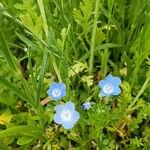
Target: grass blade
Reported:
[(41, 76), (14, 89), (6, 52), (41, 6), (26, 41)]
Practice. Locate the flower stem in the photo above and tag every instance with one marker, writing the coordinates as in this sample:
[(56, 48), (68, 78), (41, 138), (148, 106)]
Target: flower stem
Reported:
[(56, 70), (93, 38), (140, 93)]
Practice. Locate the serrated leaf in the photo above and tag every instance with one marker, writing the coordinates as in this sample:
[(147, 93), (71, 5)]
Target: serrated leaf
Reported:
[(99, 37), (77, 68), (63, 33), (73, 136), (87, 79), (30, 18), (83, 15)]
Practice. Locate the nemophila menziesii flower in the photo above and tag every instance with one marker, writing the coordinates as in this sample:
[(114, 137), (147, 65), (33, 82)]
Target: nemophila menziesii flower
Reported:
[(110, 86), (86, 105), (57, 90), (66, 115)]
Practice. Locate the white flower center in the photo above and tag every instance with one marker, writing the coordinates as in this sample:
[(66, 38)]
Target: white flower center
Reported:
[(66, 115), (56, 93), (108, 89)]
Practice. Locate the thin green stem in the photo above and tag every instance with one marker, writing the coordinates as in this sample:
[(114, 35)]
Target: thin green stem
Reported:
[(139, 93), (135, 72), (56, 70), (41, 75), (41, 7), (91, 59), (100, 140), (105, 54), (31, 73)]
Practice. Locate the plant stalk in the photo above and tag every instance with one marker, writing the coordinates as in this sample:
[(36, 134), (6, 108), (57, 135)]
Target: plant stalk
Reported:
[(91, 59), (139, 93)]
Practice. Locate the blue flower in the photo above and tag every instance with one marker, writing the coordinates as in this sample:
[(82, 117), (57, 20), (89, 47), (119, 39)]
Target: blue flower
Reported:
[(86, 105), (57, 90), (66, 115), (110, 86)]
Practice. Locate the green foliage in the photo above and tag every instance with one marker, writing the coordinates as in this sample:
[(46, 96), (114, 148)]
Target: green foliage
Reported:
[(24, 140), (77, 43), (77, 68), (30, 18), (83, 16)]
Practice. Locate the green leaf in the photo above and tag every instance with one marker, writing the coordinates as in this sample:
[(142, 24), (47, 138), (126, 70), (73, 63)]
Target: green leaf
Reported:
[(84, 18), (4, 48), (4, 147), (24, 130), (115, 22), (30, 18), (83, 15), (13, 65), (87, 79), (108, 45), (26, 41), (99, 47), (7, 96), (8, 140), (100, 36), (77, 68), (13, 88), (41, 6), (41, 75), (24, 140)]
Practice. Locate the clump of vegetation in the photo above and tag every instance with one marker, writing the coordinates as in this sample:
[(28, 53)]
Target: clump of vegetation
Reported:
[(74, 74)]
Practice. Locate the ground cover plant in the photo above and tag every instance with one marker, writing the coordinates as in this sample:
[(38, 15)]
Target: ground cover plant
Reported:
[(74, 74)]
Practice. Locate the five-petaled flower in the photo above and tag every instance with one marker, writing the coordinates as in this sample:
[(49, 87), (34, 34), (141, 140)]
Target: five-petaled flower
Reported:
[(66, 115), (110, 86), (57, 90), (86, 105)]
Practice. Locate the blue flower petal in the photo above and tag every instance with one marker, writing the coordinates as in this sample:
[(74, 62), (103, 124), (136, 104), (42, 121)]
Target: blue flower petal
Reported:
[(117, 91), (54, 84), (109, 77), (57, 90), (116, 81), (75, 116), (68, 125), (62, 86), (59, 108), (104, 94), (66, 115), (70, 105), (63, 89), (102, 83), (57, 118), (110, 86)]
